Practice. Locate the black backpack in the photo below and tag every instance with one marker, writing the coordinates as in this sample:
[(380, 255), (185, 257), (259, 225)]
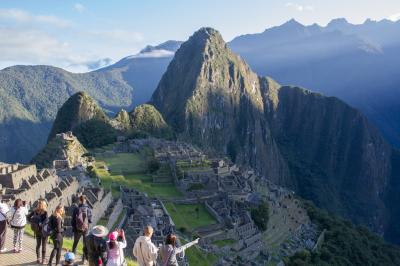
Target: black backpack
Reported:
[(35, 221)]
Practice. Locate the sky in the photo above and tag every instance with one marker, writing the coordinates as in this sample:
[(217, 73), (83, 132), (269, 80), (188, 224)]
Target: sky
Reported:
[(75, 34)]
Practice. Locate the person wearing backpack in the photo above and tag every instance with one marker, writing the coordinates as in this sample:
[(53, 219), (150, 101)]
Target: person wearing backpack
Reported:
[(115, 249), (169, 251), (56, 223), (4, 209), (97, 246), (81, 218), (38, 218), (18, 222)]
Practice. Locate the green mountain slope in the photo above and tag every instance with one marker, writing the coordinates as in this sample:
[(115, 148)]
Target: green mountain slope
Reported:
[(146, 118), (31, 95)]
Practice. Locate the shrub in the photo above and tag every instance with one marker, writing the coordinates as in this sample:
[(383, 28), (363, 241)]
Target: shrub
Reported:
[(260, 215)]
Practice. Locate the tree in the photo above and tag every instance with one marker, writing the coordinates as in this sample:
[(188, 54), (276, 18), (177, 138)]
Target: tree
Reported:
[(153, 165), (260, 215)]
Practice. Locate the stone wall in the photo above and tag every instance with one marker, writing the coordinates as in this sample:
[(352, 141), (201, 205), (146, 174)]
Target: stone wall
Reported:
[(117, 210), (12, 176)]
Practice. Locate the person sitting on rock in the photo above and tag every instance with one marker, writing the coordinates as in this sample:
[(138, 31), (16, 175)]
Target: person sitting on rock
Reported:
[(144, 250)]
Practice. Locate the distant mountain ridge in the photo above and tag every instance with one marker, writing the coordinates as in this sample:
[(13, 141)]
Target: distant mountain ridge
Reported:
[(356, 63), (31, 95)]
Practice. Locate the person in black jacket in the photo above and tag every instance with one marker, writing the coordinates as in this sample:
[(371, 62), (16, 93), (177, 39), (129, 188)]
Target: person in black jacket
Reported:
[(81, 218), (38, 218), (97, 245), (57, 224)]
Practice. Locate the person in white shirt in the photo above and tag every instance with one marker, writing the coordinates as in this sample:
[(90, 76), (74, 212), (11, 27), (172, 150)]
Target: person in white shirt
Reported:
[(4, 209), (18, 222), (144, 250)]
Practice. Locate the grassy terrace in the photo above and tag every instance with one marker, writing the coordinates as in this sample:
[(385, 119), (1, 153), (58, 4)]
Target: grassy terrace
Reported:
[(186, 216), (224, 242), (130, 169)]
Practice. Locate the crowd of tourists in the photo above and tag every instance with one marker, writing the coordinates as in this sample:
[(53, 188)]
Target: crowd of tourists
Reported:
[(100, 247)]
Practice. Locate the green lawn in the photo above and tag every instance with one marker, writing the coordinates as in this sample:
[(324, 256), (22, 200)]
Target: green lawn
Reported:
[(129, 169), (197, 257), (185, 215)]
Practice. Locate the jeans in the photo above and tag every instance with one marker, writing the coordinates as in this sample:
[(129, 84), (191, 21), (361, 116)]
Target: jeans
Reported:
[(3, 230), (77, 237), (57, 242), (41, 242)]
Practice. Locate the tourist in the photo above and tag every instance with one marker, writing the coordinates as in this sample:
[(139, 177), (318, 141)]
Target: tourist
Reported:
[(18, 222), (38, 218), (4, 209), (97, 246), (69, 259), (169, 251), (56, 223), (144, 250), (115, 248), (81, 218)]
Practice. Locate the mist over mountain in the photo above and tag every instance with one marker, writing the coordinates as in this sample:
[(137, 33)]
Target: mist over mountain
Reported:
[(31, 95), (319, 146), (356, 63)]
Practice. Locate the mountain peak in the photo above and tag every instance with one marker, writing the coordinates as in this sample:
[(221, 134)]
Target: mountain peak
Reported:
[(79, 108), (292, 24), (206, 34), (170, 45), (338, 23)]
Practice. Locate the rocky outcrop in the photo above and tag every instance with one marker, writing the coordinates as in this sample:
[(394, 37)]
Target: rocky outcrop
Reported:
[(146, 118), (64, 146), (319, 146), (79, 108), (121, 121)]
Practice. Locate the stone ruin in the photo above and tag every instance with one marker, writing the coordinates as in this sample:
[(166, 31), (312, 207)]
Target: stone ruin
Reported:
[(239, 224), (142, 211), (29, 184)]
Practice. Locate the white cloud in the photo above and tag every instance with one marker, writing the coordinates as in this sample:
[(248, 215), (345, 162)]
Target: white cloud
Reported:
[(79, 7), (153, 54), (394, 17), (298, 7), (27, 38), (22, 16)]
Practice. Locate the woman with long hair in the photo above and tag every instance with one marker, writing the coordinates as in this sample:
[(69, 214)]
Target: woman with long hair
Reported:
[(38, 218), (169, 251), (18, 222), (57, 225), (115, 248)]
